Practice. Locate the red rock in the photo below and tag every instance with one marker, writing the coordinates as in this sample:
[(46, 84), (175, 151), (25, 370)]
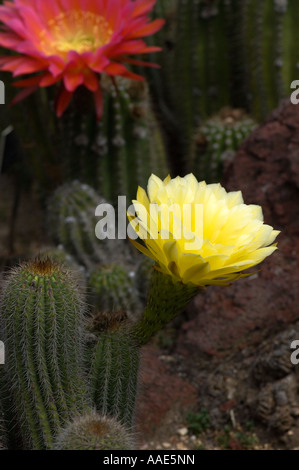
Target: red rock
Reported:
[(164, 397)]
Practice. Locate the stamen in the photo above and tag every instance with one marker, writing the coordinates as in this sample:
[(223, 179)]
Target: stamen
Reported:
[(75, 30)]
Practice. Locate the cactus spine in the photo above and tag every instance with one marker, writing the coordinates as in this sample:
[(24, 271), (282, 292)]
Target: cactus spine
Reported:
[(94, 432), (115, 367), (41, 323)]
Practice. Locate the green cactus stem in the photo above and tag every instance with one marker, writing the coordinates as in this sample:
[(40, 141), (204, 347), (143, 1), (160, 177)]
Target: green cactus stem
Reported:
[(128, 141), (115, 367), (94, 432), (41, 325), (142, 278), (166, 300), (111, 288), (3, 431)]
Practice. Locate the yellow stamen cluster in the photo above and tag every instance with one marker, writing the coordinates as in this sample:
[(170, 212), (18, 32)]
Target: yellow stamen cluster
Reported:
[(79, 31)]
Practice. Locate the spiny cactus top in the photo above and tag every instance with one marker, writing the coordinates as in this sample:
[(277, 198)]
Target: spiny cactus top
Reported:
[(72, 42), (199, 233), (41, 323), (94, 432)]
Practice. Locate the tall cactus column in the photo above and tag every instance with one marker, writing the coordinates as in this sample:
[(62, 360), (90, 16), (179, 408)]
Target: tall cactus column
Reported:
[(115, 367), (41, 325)]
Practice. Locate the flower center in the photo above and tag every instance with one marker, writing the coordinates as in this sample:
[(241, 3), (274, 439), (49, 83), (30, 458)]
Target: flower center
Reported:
[(75, 30)]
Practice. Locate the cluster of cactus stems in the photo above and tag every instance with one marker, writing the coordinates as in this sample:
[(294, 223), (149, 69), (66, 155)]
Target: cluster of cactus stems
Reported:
[(113, 155), (59, 390), (220, 53), (216, 53)]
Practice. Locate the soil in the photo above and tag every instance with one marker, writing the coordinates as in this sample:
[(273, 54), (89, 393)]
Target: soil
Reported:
[(220, 376)]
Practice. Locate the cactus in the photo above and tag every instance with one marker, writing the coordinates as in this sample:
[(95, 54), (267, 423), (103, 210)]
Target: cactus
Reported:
[(142, 278), (115, 365), (127, 143), (112, 288), (41, 326), (60, 256), (166, 300), (94, 432), (217, 140), (72, 222), (220, 53), (3, 432)]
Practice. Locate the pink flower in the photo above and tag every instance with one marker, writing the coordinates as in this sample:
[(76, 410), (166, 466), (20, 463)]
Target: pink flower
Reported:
[(73, 42)]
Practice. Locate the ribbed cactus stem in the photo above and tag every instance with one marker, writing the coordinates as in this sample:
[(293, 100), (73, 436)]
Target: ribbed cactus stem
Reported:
[(126, 134), (3, 431), (94, 432), (115, 368), (112, 288), (42, 324), (166, 300)]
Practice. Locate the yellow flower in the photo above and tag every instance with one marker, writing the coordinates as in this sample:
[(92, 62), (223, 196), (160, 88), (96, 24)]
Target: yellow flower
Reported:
[(199, 233)]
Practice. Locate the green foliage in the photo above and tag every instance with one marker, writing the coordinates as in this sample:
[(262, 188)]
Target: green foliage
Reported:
[(94, 432), (41, 325), (231, 439), (198, 422)]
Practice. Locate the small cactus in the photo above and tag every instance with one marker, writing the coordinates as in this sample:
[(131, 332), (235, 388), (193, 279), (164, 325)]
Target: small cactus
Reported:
[(94, 432), (112, 288), (115, 366), (217, 140), (60, 256), (41, 325)]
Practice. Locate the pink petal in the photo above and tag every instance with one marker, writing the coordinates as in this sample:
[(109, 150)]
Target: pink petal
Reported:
[(23, 94), (143, 6), (148, 29), (63, 100), (72, 80)]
